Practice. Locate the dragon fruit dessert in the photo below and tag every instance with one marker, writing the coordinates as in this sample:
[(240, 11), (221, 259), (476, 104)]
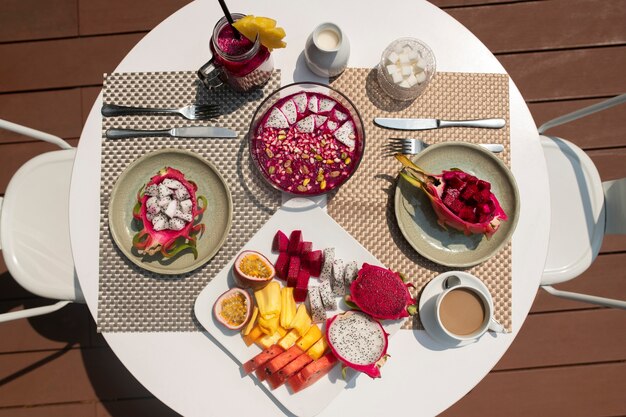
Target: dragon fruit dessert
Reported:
[(308, 142), (167, 208), (460, 200), (358, 341), (381, 293)]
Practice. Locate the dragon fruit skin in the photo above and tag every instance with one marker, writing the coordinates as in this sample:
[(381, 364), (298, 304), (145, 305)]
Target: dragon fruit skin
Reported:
[(358, 341), (151, 241), (381, 293), (433, 186)]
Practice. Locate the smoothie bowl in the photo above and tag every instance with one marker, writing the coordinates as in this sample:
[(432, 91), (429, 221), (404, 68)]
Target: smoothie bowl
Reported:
[(306, 139)]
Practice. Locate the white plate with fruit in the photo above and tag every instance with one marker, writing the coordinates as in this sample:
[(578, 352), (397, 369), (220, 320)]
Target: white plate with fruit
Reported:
[(296, 363)]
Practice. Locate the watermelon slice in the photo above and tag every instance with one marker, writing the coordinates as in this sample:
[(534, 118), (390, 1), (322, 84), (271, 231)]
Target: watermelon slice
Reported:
[(277, 379), (312, 373), (262, 358)]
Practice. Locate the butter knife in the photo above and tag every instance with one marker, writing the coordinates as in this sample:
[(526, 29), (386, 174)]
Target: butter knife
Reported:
[(426, 124), (177, 132)]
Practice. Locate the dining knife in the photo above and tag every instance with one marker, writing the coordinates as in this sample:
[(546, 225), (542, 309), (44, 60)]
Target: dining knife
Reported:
[(427, 124), (177, 132)]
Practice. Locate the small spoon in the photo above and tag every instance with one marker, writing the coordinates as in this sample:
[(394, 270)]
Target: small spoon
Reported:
[(451, 281)]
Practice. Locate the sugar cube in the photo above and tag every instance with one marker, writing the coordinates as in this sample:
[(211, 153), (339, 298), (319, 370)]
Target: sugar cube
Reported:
[(404, 84), (392, 69), (392, 57), (403, 58), (396, 77), (421, 62), (413, 56), (421, 77), (407, 70), (398, 48), (412, 80)]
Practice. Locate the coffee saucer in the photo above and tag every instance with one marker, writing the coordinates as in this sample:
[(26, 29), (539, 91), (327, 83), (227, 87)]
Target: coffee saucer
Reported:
[(427, 306)]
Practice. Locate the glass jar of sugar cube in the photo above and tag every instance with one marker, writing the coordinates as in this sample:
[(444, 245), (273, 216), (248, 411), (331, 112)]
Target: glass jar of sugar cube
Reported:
[(405, 69)]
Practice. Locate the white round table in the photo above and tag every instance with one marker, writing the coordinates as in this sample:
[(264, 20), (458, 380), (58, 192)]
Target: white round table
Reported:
[(191, 374)]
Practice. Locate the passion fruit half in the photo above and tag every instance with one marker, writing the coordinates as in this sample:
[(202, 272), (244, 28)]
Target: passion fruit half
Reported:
[(253, 270), (233, 308)]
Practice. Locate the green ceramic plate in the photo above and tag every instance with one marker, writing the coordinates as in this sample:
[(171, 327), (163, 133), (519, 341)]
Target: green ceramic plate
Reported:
[(217, 217), (418, 221)]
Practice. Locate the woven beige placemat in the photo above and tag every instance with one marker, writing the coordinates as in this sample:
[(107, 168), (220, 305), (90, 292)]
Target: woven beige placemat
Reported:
[(130, 298), (364, 205)]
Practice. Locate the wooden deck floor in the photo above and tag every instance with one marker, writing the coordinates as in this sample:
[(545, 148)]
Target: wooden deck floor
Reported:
[(569, 358)]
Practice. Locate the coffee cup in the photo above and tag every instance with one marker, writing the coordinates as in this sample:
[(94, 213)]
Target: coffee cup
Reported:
[(465, 312)]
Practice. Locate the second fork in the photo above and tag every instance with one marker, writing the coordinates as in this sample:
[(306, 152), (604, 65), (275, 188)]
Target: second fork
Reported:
[(193, 112)]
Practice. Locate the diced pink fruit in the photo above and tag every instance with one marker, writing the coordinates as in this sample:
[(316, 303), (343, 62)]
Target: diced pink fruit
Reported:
[(483, 185), (295, 238), (281, 241), (467, 214), (314, 262), (469, 191), (293, 271), (282, 265), (302, 285), (306, 248)]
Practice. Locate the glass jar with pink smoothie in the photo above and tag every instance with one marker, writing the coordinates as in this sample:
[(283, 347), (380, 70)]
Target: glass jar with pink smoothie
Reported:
[(237, 61)]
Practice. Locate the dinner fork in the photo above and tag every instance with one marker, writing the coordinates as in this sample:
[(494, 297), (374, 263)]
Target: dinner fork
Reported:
[(412, 146), (193, 112)]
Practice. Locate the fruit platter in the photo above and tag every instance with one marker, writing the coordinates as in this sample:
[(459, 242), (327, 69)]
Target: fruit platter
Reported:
[(301, 308), (170, 211), (306, 139)]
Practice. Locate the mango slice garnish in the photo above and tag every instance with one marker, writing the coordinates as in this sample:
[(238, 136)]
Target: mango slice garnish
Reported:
[(265, 28)]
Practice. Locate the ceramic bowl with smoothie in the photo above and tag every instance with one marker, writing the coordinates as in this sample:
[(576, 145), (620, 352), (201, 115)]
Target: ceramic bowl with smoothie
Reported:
[(306, 139)]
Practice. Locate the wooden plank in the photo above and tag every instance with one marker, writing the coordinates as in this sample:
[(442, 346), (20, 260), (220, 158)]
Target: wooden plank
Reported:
[(57, 112), (55, 64), (599, 130), (22, 20), (68, 326), (145, 407), (68, 376), (573, 391), (549, 339), (569, 74), (58, 410), (533, 26), (115, 16), (610, 163), (13, 156), (604, 278)]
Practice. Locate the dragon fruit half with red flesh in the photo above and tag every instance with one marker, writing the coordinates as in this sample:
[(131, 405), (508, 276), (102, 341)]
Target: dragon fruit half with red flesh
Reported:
[(358, 341), (381, 293), (168, 207), (460, 200)]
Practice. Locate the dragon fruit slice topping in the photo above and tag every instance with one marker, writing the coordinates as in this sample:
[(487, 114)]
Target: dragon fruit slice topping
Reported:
[(326, 105), (314, 104), (340, 116), (331, 125), (301, 101), (345, 134), (168, 221), (460, 200), (290, 111), (358, 341), (306, 125), (381, 293), (319, 120), (276, 120)]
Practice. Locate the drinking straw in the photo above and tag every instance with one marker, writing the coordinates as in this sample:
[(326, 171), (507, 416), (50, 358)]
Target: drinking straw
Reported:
[(229, 18)]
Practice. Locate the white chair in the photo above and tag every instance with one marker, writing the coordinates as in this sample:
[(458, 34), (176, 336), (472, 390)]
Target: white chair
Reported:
[(34, 226), (583, 208)]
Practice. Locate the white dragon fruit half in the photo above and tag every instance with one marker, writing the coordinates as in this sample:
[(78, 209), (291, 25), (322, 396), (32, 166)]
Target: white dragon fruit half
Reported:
[(276, 120), (358, 341), (290, 111), (306, 125)]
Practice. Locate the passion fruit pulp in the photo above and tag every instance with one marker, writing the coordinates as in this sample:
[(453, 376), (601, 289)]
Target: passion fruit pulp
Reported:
[(253, 270), (233, 308)]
